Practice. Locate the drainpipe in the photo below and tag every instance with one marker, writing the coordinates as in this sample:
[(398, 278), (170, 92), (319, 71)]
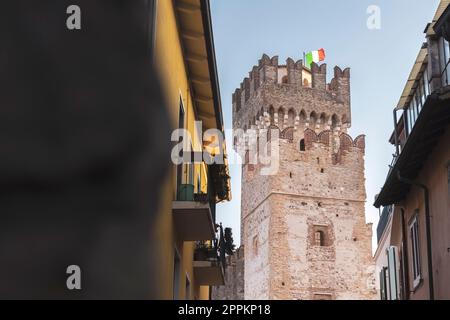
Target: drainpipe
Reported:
[(428, 229), (405, 255)]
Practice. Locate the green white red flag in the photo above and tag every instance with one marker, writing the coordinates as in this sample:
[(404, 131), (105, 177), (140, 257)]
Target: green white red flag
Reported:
[(314, 56)]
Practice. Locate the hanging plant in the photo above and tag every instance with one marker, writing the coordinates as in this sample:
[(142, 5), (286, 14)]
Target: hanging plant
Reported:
[(220, 177)]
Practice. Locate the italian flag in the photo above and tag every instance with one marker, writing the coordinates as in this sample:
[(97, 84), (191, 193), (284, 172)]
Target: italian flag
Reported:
[(314, 56)]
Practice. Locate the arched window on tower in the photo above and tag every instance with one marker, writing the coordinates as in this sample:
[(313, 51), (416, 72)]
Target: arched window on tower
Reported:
[(302, 145), (319, 238), (334, 121), (291, 118), (281, 122), (272, 115), (285, 80)]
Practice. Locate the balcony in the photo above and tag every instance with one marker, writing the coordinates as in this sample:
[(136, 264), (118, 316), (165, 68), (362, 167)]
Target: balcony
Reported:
[(413, 98), (194, 213), (199, 187), (193, 220), (208, 266), (430, 126), (194, 206), (425, 116)]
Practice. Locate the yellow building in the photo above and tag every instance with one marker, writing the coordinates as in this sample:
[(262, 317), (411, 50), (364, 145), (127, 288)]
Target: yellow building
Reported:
[(185, 60)]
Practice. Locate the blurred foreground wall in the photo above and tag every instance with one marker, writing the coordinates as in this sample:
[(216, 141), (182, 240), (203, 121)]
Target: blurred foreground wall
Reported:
[(83, 149)]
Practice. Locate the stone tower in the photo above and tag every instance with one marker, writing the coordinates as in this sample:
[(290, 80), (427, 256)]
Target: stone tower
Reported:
[(303, 228)]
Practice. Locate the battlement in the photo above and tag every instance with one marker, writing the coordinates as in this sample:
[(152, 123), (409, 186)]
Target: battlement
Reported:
[(334, 143), (292, 95), (269, 71)]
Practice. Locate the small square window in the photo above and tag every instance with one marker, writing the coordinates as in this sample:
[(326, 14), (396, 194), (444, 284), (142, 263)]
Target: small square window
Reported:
[(319, 239), (320, 236)]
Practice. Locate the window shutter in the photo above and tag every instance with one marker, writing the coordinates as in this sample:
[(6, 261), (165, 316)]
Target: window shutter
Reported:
[(383, 293), (392, 267)]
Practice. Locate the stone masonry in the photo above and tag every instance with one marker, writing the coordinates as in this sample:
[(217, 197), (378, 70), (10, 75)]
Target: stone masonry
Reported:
[(303, 228)]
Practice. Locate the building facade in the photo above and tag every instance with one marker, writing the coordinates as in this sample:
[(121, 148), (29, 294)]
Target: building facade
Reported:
[(417, 188), (186, 230), (303, 225)]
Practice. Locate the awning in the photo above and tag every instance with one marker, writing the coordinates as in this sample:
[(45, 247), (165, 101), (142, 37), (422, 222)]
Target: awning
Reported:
[(440, 10), (415, 74), (198, 45)]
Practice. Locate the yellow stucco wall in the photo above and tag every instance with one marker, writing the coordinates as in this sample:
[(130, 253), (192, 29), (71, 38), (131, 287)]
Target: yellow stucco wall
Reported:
[(170, 64)]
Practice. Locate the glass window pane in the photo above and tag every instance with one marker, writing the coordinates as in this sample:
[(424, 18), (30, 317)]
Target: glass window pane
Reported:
[(442, 60), (416, 109), (408, 126), (447, 50), (411, 117), (422, 94), (413, 251), (419, 101), (407, 121), (447, 75)]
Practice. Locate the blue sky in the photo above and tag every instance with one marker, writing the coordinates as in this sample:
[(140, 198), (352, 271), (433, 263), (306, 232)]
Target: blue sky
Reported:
[(380, 62)]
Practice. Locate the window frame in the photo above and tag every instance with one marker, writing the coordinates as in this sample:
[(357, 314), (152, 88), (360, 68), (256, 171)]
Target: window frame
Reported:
[(326, 237), (447, 61), (415, 250), (444, 61)]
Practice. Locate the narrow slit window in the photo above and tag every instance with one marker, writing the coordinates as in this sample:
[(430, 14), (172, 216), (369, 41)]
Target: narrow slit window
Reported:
[(302, 145)]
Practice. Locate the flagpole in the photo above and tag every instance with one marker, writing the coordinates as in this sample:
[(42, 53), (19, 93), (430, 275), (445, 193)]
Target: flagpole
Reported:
[(304, 59)]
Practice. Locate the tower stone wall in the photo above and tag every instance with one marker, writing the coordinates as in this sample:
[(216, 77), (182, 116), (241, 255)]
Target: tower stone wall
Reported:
[(303, 227)]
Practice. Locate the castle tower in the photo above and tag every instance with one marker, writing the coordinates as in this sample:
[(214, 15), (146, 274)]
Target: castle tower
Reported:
[(303, 228)]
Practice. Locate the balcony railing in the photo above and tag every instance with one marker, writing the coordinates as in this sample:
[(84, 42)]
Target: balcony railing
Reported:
[(196, 185)]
